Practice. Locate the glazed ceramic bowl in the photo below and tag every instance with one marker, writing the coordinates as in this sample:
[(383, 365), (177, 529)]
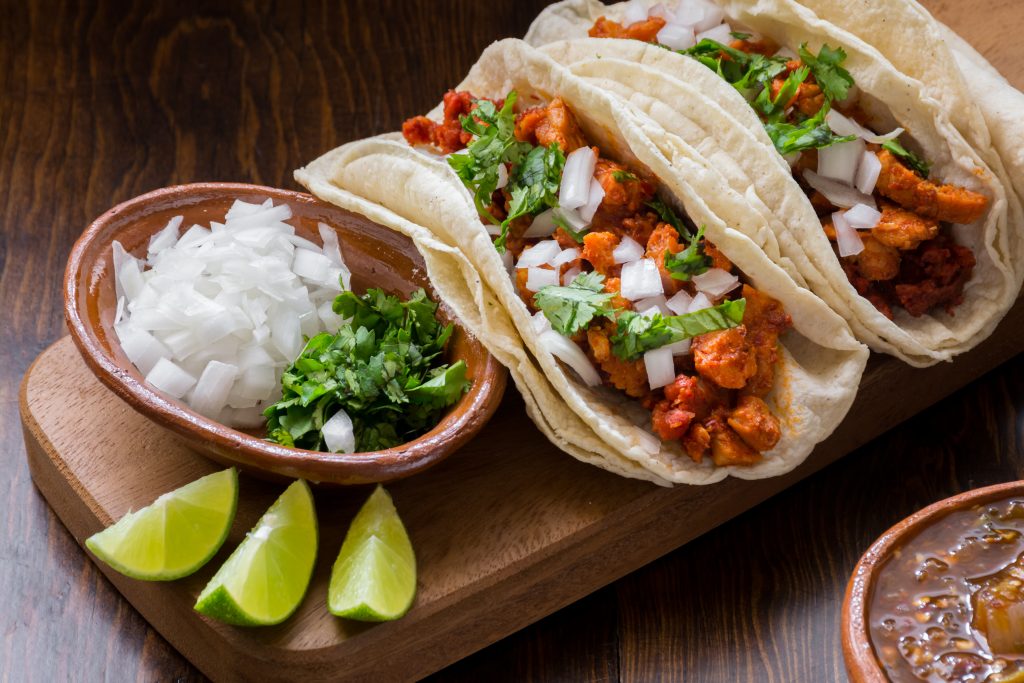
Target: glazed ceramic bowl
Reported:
[(862, 663), (377, 257)]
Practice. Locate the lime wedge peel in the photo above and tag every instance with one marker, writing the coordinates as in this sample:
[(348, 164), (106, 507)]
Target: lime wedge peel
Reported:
[(266, 577), (374, 577), (175, 535)]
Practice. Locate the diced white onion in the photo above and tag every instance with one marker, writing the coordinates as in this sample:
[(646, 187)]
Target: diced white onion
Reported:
[(566, 351), (128, 279), (170, 379), (867, 172), (839, 162), (332, 250), (594, 200), (715, 282), (680, 302), (661, 369), (721, 34), (640, 280), (576, 176), (843, 125), (141, 347), (660, 10), (567, 256), (542, 253), (211, 392), (540, 322), (655, 302), (166, 237), (786, 53), (537, 278), (543, 225), (699, 303), (635, 12), (339, 436), (689, 13), (847, 239), (311, 265), (628, 250), (681, 347), (676, 36), (837, 193), (502, 176), (572, 219), (713, 15), (570, 275), (862, 217)]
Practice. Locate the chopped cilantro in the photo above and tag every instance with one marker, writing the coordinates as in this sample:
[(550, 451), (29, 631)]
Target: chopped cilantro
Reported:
[(832, 78), (690, 261), (773, 110), (812, 133), (739, 36), (533, 186), (637, 333), (570, 309), (621, 176), (669, 216), (912, 161), (384, 368)]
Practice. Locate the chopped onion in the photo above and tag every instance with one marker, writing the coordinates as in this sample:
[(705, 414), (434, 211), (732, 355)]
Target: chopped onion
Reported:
[(839, 162), (721, 34), (570, 275), (502, 176), (837, 193), (681, 347), (680, 302), (128, 279), (713, 15), (332, 250), (660, 10), (594, 200), (689, 13), (339, 436), (716, 282), (676, 36), (843, 125), (661, 368), (867, 172), (141, 347), (572, 219), (657, 303), (699, 303), (786, 53), (640, 280), (566, 351), (567, 256), (543, 225), (170, 379), (211, 392), (576, 176), (862, 217), (628, 250), (537, 278), (635, 12), (542, 253), (540, 322), (165, 238), (848, 240), (311, 265)]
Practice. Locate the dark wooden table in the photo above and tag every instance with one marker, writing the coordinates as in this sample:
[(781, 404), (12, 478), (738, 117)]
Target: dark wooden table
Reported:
[(103, 101)]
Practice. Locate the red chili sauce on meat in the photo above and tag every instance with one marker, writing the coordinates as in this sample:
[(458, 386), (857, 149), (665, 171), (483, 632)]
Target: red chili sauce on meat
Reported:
[(949, 605)]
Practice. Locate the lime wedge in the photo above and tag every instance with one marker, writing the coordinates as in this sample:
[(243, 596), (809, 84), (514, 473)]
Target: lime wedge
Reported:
[(266, 577), (175, 535), (374, 577)]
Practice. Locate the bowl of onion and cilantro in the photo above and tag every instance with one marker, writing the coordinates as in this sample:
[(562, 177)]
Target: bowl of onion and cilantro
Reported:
[(276, 332)]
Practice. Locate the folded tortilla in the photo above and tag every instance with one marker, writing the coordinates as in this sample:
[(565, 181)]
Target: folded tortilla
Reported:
[(666, 86), (415, 192)]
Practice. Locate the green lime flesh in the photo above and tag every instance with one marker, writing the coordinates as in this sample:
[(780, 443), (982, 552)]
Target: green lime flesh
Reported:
[(374, 577), (175, 535), (265, 579)]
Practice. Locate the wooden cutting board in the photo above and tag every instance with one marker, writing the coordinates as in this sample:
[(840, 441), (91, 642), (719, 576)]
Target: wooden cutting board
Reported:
[(506, 531)]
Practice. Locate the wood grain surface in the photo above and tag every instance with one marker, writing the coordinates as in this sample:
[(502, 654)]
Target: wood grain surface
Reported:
[(103, 101)]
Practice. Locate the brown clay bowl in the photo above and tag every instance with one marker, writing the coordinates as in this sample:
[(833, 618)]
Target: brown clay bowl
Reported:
[(377, 257), (861, 661)]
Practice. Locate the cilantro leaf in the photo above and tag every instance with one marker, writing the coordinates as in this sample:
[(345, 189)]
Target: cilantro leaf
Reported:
[(832, 78), (622, 176), (533, 186), (812, 133), (690, 261), (667, 215), (773, 109), (569, 309), (739, 36), (384, 368), (912, 161), (637, 333)]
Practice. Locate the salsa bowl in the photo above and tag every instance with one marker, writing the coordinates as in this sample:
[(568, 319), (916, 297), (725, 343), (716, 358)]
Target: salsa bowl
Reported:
[(377, 257)]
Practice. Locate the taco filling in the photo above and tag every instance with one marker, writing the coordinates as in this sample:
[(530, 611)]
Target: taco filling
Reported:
[(889, 224), (623, 290)]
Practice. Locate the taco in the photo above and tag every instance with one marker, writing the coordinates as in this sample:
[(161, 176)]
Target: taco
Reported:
[(647, 336), (881, 205)]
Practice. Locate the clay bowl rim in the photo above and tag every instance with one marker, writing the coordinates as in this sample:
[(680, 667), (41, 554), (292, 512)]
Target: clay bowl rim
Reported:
[(231, 446), (862, 663)]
